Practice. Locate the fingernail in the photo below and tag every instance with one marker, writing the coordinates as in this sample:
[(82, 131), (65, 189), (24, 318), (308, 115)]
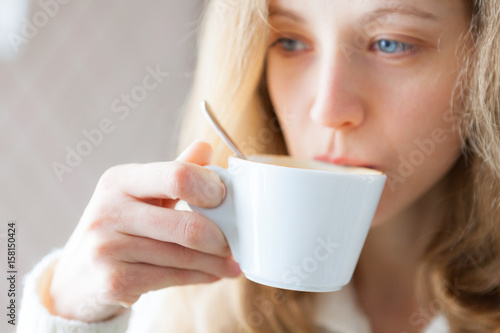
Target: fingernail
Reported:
[(236, 269), (186, 151), (125, 305), (223, 190), (216, 190)]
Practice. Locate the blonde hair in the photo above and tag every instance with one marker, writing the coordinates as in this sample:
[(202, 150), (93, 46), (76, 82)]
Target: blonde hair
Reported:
[(232, 47), (461, 268), (460, 271)]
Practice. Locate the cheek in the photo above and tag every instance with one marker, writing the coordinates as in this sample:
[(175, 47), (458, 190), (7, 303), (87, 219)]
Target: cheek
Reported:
[(417, 107), (291, 88), (429, 136), (419, 137), (423, 143), (289, 84)]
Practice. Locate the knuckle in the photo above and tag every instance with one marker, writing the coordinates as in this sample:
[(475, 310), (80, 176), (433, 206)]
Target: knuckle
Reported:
[(176, 180), (120, 217), (191, 229), (180, 276), (102, 251), (106, 249), (113, 176), (119, 283), (186, 257), (109, 177), (100, 215)]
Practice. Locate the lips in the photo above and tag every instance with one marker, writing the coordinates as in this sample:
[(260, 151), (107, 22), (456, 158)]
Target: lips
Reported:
[(344, 161)]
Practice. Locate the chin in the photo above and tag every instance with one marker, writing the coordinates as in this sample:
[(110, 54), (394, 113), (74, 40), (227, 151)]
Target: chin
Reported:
[(387, 209), (380, 218)]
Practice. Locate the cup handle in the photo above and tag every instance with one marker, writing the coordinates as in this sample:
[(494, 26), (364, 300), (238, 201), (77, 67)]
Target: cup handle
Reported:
[(223, 215)]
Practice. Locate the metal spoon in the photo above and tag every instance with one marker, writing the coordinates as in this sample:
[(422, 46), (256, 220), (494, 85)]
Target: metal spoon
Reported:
[(218, 128)]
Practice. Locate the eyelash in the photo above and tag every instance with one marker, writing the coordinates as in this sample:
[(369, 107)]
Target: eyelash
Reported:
[(406, 47), (281, 41)]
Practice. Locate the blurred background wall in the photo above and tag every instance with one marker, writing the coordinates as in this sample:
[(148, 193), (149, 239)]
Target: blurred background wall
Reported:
[(84, 85)]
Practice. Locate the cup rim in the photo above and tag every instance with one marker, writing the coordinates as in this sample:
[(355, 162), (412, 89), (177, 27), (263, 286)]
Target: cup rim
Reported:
[(363, 171)]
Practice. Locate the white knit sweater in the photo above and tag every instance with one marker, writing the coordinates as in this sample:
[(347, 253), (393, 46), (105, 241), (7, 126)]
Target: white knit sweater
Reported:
[(183, 309)]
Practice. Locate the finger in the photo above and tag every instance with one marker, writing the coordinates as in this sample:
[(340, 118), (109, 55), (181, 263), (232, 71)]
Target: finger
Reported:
[(149, 251), (199, 152), (130, 281), (188, 229), (166, 180)]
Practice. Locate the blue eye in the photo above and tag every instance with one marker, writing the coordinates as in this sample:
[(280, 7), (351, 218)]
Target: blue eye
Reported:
[(291, 45), (392, 46)]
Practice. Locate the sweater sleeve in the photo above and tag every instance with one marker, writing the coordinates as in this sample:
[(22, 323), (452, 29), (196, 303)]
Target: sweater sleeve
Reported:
[(438, 324), (34, 317)]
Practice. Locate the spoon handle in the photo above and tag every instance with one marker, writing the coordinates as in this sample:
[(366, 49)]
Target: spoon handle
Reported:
[(218, 128)]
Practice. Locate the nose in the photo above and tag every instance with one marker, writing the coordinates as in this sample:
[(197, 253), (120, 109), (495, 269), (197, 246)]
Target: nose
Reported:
[(338, 103)]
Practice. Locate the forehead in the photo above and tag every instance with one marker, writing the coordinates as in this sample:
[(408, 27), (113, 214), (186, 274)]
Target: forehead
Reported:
[(329, 10)]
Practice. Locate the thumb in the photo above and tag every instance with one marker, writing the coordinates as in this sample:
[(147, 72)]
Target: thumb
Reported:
[(198, 152)]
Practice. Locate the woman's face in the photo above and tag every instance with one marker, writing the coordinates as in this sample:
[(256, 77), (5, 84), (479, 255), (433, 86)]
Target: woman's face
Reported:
[(370, 83)]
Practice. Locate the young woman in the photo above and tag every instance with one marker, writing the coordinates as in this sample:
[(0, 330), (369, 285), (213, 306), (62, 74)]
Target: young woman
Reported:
[(411, 88)]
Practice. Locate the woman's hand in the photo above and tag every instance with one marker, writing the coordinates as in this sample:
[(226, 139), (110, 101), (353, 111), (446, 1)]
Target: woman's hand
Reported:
[(130, 240)]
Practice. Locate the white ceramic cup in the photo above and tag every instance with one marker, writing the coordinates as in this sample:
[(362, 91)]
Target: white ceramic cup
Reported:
[(294, 224)]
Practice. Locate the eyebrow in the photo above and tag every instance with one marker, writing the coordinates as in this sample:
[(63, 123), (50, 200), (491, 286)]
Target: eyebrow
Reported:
[(285, 13), (371, 16), (402, 10)]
